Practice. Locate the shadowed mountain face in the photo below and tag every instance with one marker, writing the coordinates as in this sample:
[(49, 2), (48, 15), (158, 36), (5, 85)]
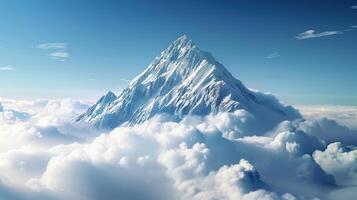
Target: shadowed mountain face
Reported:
[(184, 80)]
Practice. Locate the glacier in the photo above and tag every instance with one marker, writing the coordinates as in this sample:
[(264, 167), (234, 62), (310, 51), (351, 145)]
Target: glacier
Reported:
[(184, 80)]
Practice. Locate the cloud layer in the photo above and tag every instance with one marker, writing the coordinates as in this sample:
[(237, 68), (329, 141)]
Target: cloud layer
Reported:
[(44, 156), (345, 115)]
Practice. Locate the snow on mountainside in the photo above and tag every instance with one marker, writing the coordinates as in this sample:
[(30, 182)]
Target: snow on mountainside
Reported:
[(184, 80)]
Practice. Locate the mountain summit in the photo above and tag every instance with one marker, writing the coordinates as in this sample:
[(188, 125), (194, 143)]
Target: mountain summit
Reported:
[(184, 80)]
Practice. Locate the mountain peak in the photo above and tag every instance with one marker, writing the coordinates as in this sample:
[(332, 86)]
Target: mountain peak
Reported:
[(181, 43), (184, 80), (183, 39), (176, 62)]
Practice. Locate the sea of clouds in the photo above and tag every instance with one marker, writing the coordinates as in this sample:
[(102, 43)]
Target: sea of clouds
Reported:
[(43, 155)]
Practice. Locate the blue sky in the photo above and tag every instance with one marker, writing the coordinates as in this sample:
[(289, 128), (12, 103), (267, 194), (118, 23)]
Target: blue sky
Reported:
[(81, 49)]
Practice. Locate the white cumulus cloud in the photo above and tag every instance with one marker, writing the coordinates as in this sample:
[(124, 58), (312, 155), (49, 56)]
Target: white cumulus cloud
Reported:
[(340, 161)]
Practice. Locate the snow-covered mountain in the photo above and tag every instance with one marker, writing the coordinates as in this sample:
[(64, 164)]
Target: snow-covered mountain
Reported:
[(184, 80)]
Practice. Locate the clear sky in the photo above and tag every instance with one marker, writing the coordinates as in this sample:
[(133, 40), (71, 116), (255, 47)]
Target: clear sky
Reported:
[(304, 52)]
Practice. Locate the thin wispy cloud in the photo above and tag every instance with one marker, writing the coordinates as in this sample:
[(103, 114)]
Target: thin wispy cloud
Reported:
[(354, 7), (59, 55), (272, 56), (354, 26), (56, 45), (92, 79), (312, 34), (7, 68), (60, 50)]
